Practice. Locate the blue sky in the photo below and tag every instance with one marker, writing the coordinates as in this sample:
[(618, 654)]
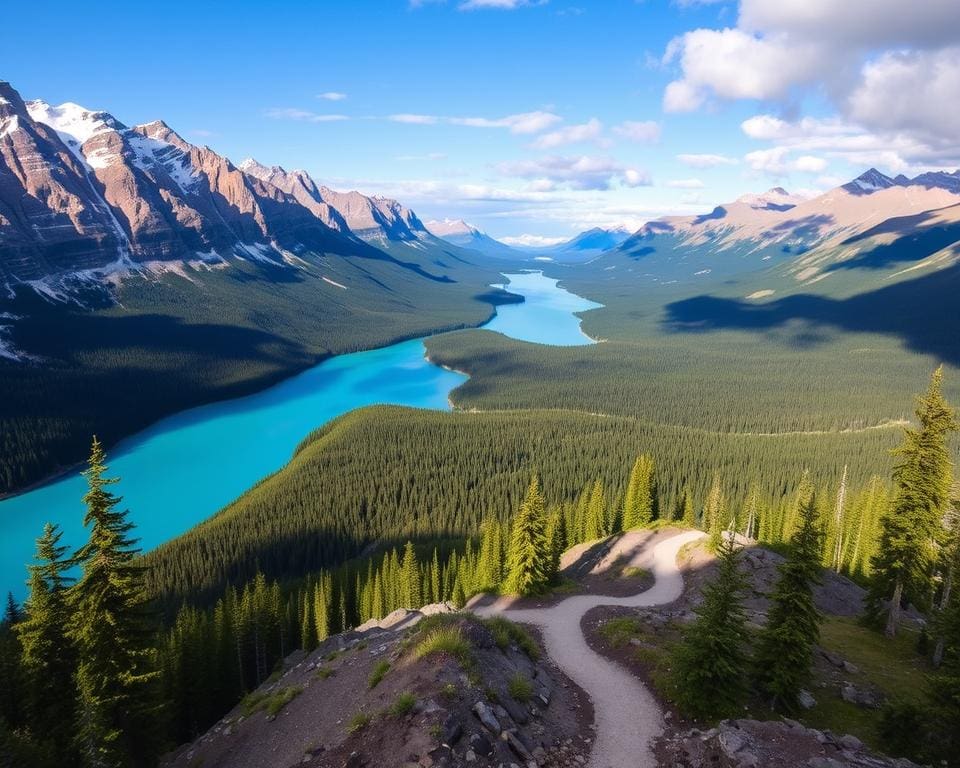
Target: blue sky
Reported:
[(528, 119)]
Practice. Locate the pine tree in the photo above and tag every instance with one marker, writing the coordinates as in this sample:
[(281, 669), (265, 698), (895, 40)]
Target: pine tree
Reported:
[(596, 514), (687, 513), (639, 502), (903, 565), (715, 514), (410, 579), (113, 632), (435, 578), (711, 661), (556, 542), (12, 692), (49, 656), (786, 645), (528, 556)]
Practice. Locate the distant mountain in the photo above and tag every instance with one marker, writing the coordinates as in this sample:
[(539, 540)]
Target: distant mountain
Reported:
[(775, 226), (465, 235), (593, 241)]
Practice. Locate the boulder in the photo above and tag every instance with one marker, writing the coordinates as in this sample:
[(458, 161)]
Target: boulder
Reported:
[(486, 717)]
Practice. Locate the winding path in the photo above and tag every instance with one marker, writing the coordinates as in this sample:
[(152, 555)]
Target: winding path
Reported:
[(627, 716)]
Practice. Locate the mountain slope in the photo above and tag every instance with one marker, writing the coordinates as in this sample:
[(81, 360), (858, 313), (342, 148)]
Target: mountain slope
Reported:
[(141, 275)]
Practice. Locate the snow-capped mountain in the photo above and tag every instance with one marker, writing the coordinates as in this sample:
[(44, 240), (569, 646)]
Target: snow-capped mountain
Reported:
[(371, 218), (459, 232), (81, 191)]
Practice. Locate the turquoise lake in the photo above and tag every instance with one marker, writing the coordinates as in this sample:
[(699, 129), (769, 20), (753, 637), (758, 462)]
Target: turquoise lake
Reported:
[(188, 466)]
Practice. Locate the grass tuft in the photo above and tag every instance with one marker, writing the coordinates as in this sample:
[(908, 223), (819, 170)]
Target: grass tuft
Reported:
[(520, 688), (379, 671), (403, 704), (448, 640), (358, 722)]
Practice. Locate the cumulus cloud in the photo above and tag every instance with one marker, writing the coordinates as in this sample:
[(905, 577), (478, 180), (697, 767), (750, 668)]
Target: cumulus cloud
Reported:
[(777, 162), (303, 115), (583, 172), (332, 96), (642, 132), (911, 91), (898, 151), (884, 64), (570, 134), (733, 64), (706, 160)]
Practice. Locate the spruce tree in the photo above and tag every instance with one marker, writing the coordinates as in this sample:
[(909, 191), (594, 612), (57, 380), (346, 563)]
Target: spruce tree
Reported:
[(410, 578), (786, 645), (639, 502), (113, 631), (49, 656), (711, 661), (715, 514), (596, 514), (903, 564), (528, 556), (556, 542)]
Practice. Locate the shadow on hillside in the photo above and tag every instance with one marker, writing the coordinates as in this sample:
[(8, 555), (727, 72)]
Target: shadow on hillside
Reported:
[(920, 312), (915, 240)]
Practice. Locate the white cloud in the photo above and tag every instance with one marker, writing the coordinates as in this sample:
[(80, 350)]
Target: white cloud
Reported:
[(505, 5), (523, 123), (570, 134), (584, 172), (884, 64), (706, 161), (835, 138), (411, 119), (911, 91), (776, 162), (642, 132), (867, 23), (734, 64), (332, 96), (290, 113), (685, 184), (532, 241), (810, 164)]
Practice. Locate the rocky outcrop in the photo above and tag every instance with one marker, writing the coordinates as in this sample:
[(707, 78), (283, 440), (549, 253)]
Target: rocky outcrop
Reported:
[(371, 218), (754, 743), (458, 712), (80, 191)]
